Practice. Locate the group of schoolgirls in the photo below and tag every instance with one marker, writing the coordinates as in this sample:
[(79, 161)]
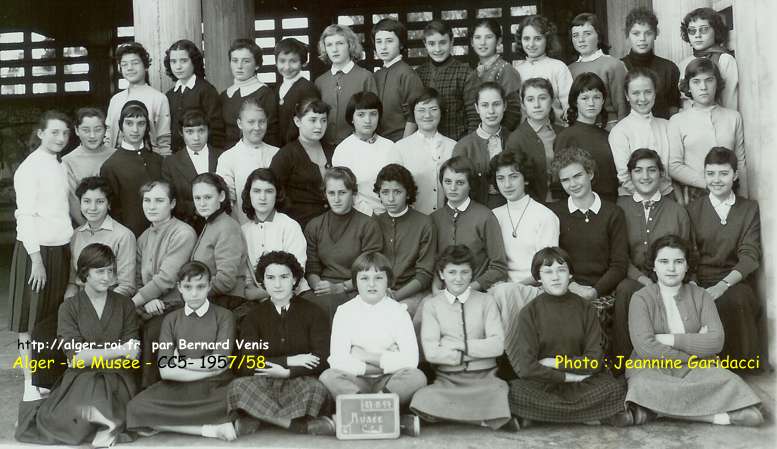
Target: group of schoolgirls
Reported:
[(365, 223)]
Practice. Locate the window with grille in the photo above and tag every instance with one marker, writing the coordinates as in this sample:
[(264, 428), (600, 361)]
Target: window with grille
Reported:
[(459, 19), (271, 30), (34, 64)]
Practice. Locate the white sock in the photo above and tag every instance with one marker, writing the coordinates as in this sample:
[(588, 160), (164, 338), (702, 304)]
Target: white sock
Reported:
[(721, 419), (209, 430)]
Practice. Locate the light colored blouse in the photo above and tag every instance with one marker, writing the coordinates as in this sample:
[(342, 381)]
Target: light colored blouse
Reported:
[(236, 164), (554, 71), (423, 157)]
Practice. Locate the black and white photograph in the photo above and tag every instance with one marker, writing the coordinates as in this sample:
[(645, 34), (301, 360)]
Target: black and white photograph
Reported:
[(441, 224)]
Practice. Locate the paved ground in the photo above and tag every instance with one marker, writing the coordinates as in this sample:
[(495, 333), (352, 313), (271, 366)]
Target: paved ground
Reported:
[(659, 435)]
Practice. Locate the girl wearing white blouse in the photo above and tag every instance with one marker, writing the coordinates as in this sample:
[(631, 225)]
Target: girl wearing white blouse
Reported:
[(41, 257), (364, 151), (268, 229)]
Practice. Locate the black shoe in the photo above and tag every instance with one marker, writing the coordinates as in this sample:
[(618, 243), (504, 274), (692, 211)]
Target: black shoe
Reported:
[(246, 425), (409, 425), (512, 425), (323, 425)]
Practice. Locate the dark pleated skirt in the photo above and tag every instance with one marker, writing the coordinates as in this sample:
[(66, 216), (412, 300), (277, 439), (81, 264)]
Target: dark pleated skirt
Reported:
[(150, 331), (740, 312), (267, 397), (64, 417), (170, 403), (598, 397), (27, 307)]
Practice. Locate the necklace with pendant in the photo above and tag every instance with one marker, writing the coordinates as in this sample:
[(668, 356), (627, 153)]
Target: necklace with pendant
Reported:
[(510, 216)]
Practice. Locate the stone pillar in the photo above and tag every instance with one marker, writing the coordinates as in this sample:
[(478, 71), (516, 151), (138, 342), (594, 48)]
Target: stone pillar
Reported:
[(617, 10), (159, 23), (756, 35), (670, 14), (225, 21)]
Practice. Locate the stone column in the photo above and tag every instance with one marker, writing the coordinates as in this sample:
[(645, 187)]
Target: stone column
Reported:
[(159, 23), (617, 10), (225, 21), (756, 35)]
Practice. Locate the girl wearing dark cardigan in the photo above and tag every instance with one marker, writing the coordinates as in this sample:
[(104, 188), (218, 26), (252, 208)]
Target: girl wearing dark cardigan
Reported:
[(586, 118), (184, 65), (285, 391), (555, 346), (301, 164), (727, 245), (488, 140), (245, 60), (105, 323), (335, 239)]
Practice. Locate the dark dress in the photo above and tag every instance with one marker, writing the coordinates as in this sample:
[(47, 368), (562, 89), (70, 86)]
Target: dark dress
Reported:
[(301, 329), (301, 179), (551, 326), (202, 96), (230, 110), (720, 248), (300, 90), (62, 418), (594, 140), (173, 403), (126, 171)]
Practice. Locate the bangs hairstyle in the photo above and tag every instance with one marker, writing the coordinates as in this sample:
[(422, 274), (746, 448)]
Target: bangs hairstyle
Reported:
[(668, 241), (311, 104), (491, 85), (640, 72), (145, 188), (644, 153), (341, 174), (369, 261), (587, 17), (583, 83), (459, 164), (456, 255), (137, 49), (537, 83), (195, 55), (572, 155), (362, 100), (721, 156), (279, 258), (715, 20), (427, 94), (520, 162), (547, 257), (94, 255), (86, 112), (192, 118), (702, 66), (192, 270), (400, 174), (293, 46), (219, 184), (488, 22), (642, 16), (393, 26), (250, 45), (542, 26), (354, 46), (94, 183), (260, 174), (439, 27)]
